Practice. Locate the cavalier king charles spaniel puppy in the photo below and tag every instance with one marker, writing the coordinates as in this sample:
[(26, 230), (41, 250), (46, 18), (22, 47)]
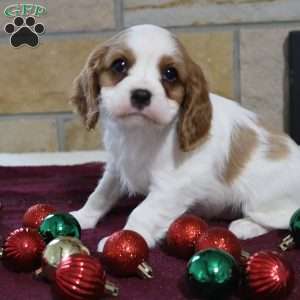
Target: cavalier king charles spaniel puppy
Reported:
[(184, 148)]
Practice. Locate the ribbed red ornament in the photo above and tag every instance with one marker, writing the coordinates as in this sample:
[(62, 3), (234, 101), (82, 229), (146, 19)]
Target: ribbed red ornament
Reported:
[(268, 275), (36, 214), (80, 277), (183, 234), (220, 238), (125, 253), (23, 249)]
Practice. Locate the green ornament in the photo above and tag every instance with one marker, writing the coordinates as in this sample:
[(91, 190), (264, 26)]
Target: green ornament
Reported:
[(60, 224), (295, 227), (213, 273)]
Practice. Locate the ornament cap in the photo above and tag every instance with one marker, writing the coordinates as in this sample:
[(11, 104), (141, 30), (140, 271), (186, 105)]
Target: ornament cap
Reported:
[(111, 289), (38, 273), (1, 252), (287, 243), (144, 270), (244, 256)]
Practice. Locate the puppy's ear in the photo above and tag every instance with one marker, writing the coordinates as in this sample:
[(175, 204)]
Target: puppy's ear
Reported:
[(86, 88), (195, 111)]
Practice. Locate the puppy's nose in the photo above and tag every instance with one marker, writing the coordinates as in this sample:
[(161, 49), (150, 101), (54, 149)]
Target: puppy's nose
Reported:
[(140, 98)]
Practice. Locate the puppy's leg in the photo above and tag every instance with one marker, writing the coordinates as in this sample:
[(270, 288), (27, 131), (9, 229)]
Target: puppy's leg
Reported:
[(245, 228), (274, 219), (154, 215), (100, 201), (262, 219)]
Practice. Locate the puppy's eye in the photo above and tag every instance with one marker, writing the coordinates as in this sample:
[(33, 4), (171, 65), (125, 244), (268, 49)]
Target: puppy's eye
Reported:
[(170, 74), (120, 66)]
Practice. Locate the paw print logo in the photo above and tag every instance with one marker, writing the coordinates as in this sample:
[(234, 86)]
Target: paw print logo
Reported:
[(24, 32)]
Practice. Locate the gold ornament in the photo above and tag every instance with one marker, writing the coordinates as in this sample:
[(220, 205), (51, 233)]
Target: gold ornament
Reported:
[(58, 250)]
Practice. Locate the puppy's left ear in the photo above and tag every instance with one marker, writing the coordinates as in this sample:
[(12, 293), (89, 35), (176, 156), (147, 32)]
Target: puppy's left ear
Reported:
[(196, 111), (86, 88)]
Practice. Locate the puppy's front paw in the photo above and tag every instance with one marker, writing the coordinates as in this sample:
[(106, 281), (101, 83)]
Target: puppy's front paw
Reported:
[(85, 220), (246, 229), (101, 244)]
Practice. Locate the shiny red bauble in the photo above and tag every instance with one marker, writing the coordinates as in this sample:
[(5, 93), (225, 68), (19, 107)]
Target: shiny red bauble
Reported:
[(36, 214), (183, 234), (220, 238), (268, 276), (22, 250), (80, 277), (125, 253)]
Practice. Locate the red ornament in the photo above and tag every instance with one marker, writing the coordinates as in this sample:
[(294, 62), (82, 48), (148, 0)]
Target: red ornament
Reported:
[(23, 249), (125, 253), (36, 214), (220, 238), (268, 275), (81, 277), (183, 234)]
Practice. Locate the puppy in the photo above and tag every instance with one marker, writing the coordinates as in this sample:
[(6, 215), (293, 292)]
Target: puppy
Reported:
[(184, 148)]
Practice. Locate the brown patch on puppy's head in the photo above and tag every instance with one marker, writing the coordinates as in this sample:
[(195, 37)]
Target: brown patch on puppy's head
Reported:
[(196, 111), (108, 77), (175, 89), (97, 73)]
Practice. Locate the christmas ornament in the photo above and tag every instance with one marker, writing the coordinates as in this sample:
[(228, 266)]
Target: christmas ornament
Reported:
[(60, 224), (81, 277), (36, 214), (220, 238), (292, 239), (213, 273), (125, 253), (183, 233), (22, 250), (268, 276), (58, 250)]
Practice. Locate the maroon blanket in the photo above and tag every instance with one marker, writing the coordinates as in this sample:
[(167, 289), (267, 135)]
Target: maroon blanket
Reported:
[(67, 188)]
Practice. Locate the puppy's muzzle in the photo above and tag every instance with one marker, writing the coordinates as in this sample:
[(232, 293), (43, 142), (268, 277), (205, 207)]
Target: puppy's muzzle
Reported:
[(140, 98)]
